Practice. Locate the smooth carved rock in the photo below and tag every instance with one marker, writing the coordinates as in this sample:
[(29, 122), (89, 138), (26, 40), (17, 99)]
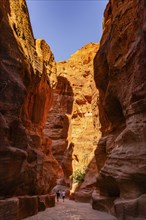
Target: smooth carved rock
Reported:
[(28, 75), (121, 80)]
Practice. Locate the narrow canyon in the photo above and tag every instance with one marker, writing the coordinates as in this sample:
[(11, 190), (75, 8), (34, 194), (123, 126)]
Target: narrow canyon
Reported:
[(79, 124)]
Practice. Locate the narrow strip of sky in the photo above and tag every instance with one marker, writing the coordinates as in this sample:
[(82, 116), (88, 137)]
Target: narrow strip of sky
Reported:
[(66, 25)]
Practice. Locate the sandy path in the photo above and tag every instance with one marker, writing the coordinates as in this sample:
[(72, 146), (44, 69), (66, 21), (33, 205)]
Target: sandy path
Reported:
[(70, 210)]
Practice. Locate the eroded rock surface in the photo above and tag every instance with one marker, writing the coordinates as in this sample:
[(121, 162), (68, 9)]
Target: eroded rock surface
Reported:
[(27, 76), (70, 122), (121, 80)]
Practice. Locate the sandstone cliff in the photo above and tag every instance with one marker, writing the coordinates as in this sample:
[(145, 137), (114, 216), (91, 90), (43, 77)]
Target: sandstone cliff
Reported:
[(70, 122), (121, 80), (27, 76)]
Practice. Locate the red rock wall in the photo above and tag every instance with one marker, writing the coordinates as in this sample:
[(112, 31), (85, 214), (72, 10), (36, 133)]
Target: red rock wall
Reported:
[(121, 80), (27, 76), (57, 127), (70, 123)]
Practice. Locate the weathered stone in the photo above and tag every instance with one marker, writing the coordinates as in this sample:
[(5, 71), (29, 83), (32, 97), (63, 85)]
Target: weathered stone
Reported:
[(41, 206), (11, 162), (46, 201), (120, 78), (142, 206), (78, 70), (102, 203), (83, 195), (41, 203), (9, 209), (28, 75), (57, 126), (130, 209), (28, 206), (69, 123), (50, 200)]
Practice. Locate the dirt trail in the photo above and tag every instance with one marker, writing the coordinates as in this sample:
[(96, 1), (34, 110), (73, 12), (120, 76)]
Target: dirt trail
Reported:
[(70, 210)]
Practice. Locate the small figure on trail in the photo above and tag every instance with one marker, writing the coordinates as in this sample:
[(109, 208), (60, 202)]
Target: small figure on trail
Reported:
[(63, 195), (58, 195)]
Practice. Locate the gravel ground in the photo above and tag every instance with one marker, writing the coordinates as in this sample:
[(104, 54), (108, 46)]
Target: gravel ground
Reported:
[(70, 210)]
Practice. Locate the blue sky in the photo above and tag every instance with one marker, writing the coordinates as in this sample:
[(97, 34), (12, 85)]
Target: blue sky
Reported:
[(66, 25)]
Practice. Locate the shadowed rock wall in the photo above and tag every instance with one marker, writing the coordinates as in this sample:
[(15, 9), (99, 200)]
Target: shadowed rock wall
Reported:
[(27, 76), (120, 77), (57, 127)]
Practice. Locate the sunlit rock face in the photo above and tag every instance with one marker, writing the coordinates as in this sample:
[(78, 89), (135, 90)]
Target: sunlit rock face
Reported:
[(27, 76), (120, 77), (70, 122)]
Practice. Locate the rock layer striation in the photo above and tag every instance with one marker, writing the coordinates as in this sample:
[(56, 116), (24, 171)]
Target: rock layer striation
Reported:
[(27, 77), (121, 80), (70, 122)]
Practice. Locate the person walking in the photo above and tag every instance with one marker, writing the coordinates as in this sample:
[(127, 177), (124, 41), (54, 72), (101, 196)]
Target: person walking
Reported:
[(63, 195), (58, 195)]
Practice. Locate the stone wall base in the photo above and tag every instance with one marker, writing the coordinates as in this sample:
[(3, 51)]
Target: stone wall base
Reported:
[(17, 208)]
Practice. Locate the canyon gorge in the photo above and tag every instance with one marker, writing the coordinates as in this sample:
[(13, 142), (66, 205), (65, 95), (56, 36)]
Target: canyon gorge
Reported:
[(84, 116)]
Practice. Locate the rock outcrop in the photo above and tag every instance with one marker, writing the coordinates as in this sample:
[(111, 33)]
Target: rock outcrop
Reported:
[(70, 122), (121, 80), (27, 77)]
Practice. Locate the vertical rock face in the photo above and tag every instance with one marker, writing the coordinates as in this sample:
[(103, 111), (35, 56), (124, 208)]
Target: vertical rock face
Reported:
[(57, 127), (121, 80), (72, 131), (27, 76)]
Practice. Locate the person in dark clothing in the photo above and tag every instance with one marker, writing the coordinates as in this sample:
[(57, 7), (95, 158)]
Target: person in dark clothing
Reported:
[(58, 195)]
